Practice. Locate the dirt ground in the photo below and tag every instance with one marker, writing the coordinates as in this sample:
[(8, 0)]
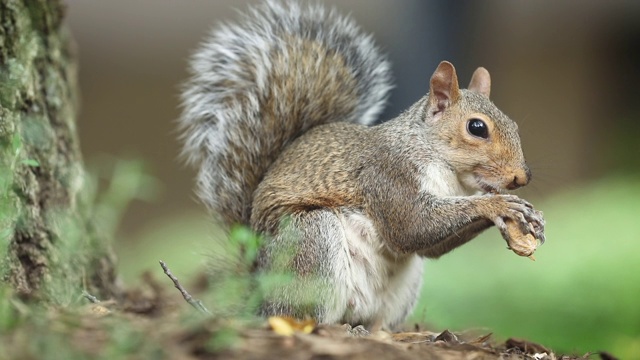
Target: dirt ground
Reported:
[(281, 338), (155, 321)]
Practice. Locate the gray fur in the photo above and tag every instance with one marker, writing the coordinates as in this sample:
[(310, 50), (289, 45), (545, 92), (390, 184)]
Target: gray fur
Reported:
[(226, 94)]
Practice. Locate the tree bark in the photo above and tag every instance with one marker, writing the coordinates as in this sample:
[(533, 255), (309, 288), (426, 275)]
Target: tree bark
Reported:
[(49, 246)]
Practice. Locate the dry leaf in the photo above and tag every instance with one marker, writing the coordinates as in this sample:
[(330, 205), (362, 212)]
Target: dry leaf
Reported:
[(98, 310), (287, 326)]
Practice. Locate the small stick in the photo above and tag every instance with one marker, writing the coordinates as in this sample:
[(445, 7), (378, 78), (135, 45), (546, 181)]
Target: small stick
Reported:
[(91, 298), (185, 294)]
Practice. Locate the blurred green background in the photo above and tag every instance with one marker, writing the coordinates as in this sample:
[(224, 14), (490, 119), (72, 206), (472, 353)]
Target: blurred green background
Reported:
[(566, 71)]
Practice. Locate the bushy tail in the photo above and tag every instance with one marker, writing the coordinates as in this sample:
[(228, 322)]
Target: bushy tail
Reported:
[(259, 84)]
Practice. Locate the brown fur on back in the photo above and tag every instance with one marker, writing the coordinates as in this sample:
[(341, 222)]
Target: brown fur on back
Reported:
[(312, 174)]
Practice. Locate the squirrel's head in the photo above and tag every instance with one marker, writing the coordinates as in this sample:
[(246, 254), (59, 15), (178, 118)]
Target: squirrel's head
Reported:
[(482, 143)]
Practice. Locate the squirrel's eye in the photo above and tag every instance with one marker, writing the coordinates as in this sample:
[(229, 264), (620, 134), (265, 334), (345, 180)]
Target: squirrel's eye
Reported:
[(477, 127)]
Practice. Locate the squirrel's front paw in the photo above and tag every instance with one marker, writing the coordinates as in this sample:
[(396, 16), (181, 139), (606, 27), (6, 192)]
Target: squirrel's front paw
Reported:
[(502, 207), (523, 244), (519, 223)]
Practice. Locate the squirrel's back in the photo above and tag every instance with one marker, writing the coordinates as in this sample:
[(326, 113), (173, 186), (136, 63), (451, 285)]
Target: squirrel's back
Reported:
[(259, 84)]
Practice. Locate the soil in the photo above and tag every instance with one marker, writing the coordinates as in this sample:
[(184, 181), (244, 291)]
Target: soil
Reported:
[(261, 341)]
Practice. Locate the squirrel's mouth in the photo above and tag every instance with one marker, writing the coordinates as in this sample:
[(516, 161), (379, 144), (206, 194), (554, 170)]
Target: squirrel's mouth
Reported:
[(485, 186)]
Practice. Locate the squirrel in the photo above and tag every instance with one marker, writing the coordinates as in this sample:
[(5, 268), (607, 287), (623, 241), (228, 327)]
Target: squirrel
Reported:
[(279, 119)]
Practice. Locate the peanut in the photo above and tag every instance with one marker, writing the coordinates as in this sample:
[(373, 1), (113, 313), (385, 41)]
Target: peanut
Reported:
[(519, 243)]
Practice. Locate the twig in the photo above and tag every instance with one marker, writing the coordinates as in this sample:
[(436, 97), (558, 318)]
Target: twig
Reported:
[(91, 298), (185, 294)]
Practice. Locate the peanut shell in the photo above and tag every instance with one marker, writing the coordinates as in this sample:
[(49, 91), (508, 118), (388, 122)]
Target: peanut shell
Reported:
[(519, 243)]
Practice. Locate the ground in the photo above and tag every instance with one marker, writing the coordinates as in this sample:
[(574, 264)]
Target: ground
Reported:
[(154, 321), (227, 339)]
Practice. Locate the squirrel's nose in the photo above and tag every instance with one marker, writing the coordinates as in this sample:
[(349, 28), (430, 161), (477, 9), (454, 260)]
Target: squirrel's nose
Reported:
[(520, 179)]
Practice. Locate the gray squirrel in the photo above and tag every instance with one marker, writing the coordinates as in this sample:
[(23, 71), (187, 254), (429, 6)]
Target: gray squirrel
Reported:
[(278, 119)]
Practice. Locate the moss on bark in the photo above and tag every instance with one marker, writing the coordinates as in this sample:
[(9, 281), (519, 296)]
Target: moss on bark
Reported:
[(49, 248)]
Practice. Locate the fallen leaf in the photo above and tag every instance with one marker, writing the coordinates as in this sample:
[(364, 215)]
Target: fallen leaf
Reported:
[(448, 337), (526, 347), (287, 326)]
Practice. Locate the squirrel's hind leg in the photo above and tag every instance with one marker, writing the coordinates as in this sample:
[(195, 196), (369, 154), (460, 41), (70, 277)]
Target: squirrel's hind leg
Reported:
[(299, 265), (336, 271)]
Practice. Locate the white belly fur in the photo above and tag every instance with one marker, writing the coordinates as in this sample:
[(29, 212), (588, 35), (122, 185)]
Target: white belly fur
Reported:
[(372, 287), (439, 180)]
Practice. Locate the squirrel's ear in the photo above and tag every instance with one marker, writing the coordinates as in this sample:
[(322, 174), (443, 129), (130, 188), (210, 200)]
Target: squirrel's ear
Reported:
[(444, 89), (480, 82)]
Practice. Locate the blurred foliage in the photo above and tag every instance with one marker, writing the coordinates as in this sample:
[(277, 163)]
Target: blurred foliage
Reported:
[(115, 183), (69, 327), (124, 181), (623, 152)]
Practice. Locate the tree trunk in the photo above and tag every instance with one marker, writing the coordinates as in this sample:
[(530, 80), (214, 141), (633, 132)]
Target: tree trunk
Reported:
[(49, 248)]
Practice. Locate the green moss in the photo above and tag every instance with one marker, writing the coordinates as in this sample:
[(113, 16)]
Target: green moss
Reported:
[(10, 206), (7, 126), (22, 48), (10, 315), (36, 134), (42, 201)]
